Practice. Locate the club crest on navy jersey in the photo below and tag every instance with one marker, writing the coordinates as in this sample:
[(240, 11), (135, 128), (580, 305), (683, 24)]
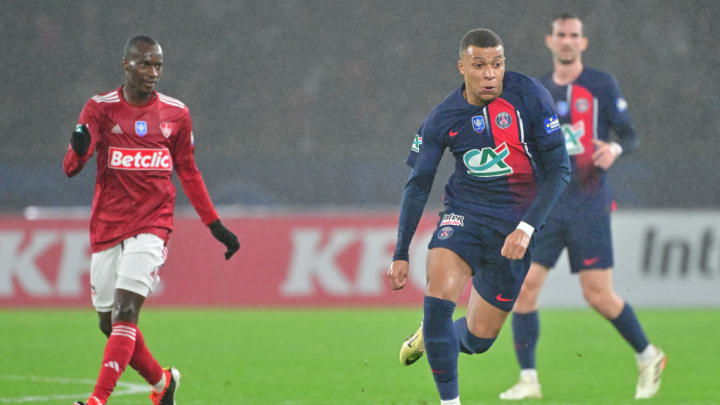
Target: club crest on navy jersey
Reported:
[(478, 123), (503, 120), (563, 108), (141, 128)]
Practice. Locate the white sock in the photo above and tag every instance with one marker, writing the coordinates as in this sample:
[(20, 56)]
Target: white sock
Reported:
[(160, 385), (529, 374), (455, 401), (646, 355)]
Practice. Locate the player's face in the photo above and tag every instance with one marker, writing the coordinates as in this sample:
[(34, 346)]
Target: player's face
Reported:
[(567, 41), (143, 68), (483, 70)]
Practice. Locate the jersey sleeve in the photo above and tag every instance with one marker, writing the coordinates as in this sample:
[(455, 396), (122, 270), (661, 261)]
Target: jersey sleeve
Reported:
[(617, 114), (191, 179), (552, 157), (92, 117), (544, 123), (426, 150), (425, 154)]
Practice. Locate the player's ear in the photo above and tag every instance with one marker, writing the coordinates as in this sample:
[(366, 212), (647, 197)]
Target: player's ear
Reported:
[(548, 39), (584, 44), (460, 67)]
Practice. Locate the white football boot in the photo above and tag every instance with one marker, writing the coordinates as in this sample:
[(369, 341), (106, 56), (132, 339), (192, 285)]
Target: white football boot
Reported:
[(649, 373), (527, 387)]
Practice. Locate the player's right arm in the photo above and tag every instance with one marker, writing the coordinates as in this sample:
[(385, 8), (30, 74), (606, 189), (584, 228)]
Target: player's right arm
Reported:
[(425, 154), (83, 140)]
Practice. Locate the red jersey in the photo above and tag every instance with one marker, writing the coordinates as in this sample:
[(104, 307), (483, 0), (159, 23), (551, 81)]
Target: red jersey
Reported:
[(137, 148)]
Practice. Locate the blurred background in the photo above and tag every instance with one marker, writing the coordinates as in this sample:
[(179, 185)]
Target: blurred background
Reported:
[(304, 112), (314, 103)]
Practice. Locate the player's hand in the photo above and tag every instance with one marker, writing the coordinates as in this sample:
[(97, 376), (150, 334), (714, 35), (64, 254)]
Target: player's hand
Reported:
[(397, 274), (80, 141), (225, 237), (515, 245), (605, 154)]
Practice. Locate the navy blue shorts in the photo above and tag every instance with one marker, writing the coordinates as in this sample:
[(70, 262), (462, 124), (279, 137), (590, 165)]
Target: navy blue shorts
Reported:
[(495, 278), (587, 237)]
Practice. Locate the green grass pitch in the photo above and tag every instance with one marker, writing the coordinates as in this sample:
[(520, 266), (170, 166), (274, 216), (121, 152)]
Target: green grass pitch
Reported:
[(349, 356)]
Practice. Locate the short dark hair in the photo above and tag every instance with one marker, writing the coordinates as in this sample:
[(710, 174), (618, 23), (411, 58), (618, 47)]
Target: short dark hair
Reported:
[(480, 37), (132, 43), (564, 16)]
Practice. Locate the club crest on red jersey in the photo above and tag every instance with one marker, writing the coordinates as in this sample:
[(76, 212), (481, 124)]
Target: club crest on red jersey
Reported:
[(166, 128), (503, 120), (582, 105), (141, 128)]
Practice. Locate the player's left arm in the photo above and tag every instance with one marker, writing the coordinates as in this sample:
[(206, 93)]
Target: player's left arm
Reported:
[(617, 115), (554, 162), (183, 154)]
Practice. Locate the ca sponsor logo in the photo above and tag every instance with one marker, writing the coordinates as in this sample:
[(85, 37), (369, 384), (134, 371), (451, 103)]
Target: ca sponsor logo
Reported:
[(573, 133), (452, 219), (488, 162), (139, 159)]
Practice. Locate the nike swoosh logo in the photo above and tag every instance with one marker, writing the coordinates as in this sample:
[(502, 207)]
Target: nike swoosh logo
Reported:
[(452, 133), (591, 261), (500, 298)]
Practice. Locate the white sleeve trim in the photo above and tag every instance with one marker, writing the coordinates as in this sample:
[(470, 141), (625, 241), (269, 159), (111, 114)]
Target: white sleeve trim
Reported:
[(525, 227)]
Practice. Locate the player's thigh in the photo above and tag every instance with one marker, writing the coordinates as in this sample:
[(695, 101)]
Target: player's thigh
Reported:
[(590, 242), (531, 287), (103, 277), (484, 319), (143, 256), (596, 283), (447, 274)]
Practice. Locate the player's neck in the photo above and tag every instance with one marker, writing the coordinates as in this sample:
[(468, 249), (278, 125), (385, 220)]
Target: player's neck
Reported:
[(564, 74), (135, 97)]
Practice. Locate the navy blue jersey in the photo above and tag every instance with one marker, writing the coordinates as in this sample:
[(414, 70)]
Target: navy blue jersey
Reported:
[(495, 148), (588, 109), (510, 159)]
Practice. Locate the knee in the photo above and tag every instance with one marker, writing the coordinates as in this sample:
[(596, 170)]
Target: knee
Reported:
[(105, 327), (596, 298), (476, 345), (125, 312)]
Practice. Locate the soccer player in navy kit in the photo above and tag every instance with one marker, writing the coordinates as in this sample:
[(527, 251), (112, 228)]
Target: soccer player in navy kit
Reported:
[(589, 105), (511, 166)]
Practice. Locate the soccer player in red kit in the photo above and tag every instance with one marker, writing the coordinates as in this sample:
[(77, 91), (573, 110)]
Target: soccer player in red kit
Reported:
[(139, 136)]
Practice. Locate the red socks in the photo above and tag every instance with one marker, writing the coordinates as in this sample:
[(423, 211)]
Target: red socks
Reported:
[(125, 346), (144, 362), (118, 351)]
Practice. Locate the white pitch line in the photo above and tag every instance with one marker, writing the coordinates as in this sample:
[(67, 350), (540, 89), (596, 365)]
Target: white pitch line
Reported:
[(123, 388)]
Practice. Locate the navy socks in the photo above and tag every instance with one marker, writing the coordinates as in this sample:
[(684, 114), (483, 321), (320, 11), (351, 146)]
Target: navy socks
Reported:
[(526, 331), (441, 345), (470, 343), (627, 324)]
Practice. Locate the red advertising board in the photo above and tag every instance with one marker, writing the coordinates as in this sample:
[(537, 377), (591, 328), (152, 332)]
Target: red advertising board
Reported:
[(285, 260)]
